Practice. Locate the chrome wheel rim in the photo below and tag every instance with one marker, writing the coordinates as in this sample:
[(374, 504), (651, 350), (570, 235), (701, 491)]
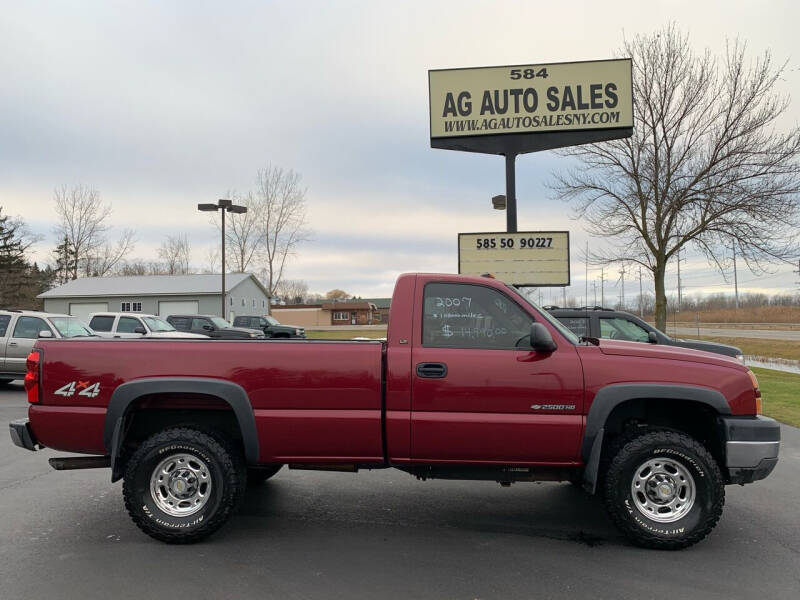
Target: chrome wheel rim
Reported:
[(663, 490), (180, 485)]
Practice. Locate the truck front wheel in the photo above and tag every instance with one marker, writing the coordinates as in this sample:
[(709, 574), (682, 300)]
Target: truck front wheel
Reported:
[(181, 485), (664, 490)]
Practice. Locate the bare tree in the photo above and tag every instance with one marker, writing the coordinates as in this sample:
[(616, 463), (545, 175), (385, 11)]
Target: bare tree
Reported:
[(82, 228), (244, 232), (706, 166), (292, 290), (267, 235), (175, 253)]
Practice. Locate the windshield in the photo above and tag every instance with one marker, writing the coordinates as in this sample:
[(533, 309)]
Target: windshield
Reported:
[(562, 329), (70, 327), (272, 320), (156, 324), (219, 322)]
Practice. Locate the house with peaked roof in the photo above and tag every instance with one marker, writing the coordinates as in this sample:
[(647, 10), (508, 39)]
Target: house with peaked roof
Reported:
[(161, 295)]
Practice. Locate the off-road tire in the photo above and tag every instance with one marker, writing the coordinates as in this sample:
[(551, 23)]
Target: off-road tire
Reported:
[(258, 475), (227, 478), (709, 490)]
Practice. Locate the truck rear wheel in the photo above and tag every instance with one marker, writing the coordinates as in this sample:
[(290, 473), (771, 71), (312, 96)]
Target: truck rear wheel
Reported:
[(664, 490), (181, 485)]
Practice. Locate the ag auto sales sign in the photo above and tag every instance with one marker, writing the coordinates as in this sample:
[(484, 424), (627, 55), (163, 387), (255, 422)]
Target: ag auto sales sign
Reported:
[(531, 98)]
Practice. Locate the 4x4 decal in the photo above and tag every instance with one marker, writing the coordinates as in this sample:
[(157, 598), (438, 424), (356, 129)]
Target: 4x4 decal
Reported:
[(83, 388)]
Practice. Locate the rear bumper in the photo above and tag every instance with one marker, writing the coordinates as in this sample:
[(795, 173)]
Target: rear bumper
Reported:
[(752, 445), (22, 435)]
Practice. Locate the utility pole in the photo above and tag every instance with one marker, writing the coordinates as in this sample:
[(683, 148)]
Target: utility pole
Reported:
[(602, 287), (680, 297), (594, 291), (622, 281), (735, 279), (641, 295), (564, 292), (586, 291)]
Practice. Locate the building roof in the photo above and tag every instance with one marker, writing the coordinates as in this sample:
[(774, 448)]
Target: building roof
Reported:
[(379, 302), (148, 285), (348, 306)]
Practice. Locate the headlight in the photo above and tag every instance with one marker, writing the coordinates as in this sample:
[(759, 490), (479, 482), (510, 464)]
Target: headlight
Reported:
[(740, 358)]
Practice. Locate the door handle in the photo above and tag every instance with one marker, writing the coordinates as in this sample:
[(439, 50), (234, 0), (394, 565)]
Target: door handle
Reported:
[(432, 370), (12, 344)]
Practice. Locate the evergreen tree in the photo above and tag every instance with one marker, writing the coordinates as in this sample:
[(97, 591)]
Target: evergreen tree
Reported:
[(13, 266)]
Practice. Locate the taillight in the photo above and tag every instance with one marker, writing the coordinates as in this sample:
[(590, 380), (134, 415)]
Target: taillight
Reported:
[(756, 391), (32, 377)]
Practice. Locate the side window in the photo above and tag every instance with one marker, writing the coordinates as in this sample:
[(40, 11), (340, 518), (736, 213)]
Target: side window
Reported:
[(181, 323), (198, 323), (460, 315), (127, 324), (621, 329), (4, 321), (578, 325), (102, 323), (29, 327)]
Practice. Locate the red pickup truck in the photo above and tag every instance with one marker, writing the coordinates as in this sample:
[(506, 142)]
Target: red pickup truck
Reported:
[(473, 382)]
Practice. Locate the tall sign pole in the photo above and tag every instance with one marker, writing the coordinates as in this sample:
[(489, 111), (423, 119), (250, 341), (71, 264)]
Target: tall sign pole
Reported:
[(517, 109), (511, 193)]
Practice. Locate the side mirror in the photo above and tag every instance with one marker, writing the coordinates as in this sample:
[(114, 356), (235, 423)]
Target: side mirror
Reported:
[(45, 333), (139, 329), (541, 340), (652, 338)]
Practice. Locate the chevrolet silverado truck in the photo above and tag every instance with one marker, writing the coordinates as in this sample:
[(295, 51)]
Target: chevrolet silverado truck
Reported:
[(473, 382)]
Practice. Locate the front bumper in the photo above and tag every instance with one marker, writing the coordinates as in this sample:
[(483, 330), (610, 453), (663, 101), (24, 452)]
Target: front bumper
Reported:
[(751, 447), (22, 434)]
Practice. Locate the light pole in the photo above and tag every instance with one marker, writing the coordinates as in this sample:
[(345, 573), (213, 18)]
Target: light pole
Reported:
[(224, 206)]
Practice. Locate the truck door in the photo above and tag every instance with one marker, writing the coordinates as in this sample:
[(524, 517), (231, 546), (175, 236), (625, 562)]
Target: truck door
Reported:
[(480, 394)]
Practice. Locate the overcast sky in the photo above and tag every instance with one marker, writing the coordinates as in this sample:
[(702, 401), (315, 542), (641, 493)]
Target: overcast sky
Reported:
[(161, 105)]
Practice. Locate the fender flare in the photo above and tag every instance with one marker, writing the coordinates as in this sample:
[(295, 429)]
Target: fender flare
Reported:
[(611, 396), (125, 394)]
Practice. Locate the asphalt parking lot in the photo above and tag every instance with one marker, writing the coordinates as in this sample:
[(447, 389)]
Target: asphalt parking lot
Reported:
[(381, 534)]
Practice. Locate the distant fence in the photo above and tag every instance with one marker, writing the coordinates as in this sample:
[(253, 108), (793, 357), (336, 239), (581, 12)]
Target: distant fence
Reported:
[(704, 324)]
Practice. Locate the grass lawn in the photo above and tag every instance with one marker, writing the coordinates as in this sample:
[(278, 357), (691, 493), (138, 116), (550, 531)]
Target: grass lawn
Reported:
[(345, 334), (757, 347), (780, 395)]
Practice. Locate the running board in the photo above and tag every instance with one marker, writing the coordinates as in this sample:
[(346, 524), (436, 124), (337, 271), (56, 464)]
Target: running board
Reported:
[(346, 468), (70, 463)]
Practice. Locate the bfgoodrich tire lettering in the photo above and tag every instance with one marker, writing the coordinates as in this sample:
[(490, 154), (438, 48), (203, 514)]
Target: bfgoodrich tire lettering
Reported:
[(225, 487), (686, 467)]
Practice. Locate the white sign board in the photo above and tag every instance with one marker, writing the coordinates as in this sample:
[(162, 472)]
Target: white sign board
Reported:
[(527, 258)]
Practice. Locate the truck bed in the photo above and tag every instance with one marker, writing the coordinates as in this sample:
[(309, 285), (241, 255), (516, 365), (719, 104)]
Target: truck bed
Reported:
[(313, 401)]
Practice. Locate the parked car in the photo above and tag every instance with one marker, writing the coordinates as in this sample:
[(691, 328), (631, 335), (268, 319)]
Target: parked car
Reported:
[(474, 382), (135, 325), (19, 330), (270, 326), (598, 322), (214, 327)]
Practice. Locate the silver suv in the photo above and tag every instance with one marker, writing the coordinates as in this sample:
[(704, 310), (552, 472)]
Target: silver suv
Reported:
[(19, 330)]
